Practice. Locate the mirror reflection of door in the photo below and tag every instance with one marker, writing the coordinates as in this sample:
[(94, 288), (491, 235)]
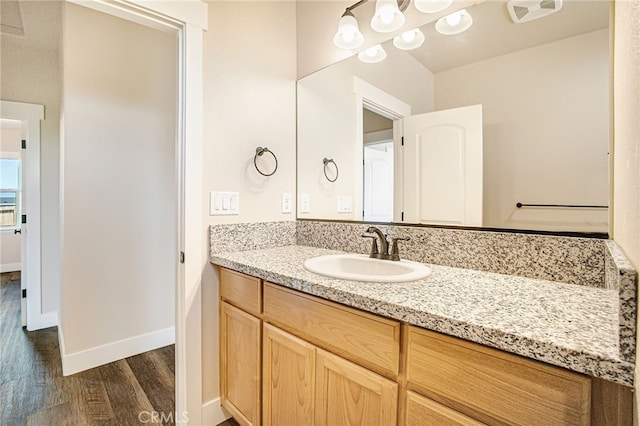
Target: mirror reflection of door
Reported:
[(377, 167)]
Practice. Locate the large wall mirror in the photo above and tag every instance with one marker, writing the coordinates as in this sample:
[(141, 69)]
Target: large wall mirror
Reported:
[(534, 99)]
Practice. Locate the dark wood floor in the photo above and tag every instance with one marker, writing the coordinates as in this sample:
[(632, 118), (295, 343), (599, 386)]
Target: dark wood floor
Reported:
[(137, 390)]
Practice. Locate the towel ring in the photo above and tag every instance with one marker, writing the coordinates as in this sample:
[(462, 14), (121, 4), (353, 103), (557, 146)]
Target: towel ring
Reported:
[(326, 161), (259, 151)]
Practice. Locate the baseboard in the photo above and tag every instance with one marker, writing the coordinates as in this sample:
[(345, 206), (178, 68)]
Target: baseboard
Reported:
[(213, 413), (10, 267), (110, 352)]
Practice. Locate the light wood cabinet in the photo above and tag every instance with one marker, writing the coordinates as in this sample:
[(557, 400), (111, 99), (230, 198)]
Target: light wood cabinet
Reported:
[(422, 411), (494, 386), (240, 364), (366, 339), (288, 378), (347, 394), (289, 358)]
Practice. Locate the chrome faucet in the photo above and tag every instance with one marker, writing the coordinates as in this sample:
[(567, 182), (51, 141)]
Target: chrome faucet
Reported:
[(383, 251)]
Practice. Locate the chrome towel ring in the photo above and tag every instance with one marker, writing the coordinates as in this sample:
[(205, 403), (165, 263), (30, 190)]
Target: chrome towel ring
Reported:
[(259, 151), (326, 162)]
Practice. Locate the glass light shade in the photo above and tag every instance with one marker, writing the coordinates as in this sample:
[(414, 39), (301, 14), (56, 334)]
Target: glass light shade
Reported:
[(455, 23), (348, 35), (432, 6), (373, 54), (409, 40), (387, 17)]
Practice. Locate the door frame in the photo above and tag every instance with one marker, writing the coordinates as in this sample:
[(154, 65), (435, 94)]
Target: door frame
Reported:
[(30, 116), (377, 100), (188, 19)]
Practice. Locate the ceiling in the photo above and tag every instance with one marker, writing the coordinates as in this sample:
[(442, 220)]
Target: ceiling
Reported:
[(493, 33), (36, 23)]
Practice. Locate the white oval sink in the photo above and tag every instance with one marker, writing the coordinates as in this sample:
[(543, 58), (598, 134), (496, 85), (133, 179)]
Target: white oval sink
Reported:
[(360, 267)]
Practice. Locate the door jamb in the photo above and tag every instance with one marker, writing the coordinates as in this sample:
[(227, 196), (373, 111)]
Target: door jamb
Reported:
[(374, 99), (30, 115)]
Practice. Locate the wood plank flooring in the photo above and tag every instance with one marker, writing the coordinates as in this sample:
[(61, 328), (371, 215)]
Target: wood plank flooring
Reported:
[(137, 390)]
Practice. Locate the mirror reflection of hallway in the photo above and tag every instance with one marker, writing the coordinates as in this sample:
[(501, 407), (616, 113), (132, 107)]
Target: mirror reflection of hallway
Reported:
[(377, 167)]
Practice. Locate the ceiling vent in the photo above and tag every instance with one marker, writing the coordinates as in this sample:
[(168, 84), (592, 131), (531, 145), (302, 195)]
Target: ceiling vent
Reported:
[(528, 10)]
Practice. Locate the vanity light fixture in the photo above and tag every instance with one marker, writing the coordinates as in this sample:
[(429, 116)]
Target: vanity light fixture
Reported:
[(432, 6), (455, 23), (373, 54), (409, 40), (348, 35), (387, 17)]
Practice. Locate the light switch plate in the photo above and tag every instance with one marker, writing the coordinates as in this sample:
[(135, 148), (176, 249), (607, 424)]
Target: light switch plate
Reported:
[(286, 202), (224, 203), (305, 203)]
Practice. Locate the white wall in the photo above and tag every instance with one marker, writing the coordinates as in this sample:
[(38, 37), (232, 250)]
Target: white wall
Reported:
[(119, 202), (9, 241), (249, 101), (327, 118), (533, 150), (31, 74)]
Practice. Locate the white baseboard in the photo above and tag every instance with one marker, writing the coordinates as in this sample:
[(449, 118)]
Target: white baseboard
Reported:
[(10, 267), (213, 413), (110, 352)]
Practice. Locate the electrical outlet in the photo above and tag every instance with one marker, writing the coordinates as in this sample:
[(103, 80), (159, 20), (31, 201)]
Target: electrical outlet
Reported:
[(305, 203), (345, 204), (286, 202)]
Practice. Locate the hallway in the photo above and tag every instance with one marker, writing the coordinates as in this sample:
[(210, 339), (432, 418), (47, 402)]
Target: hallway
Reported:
[(137, 390)]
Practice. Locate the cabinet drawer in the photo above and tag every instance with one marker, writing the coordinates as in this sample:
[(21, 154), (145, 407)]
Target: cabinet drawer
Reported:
[(422, 411), (241, 290), (493, 386), (369, 340)]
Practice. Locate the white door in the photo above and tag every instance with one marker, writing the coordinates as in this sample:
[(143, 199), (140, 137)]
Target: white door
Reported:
[(378, 182), (20, 207), (443, 167)]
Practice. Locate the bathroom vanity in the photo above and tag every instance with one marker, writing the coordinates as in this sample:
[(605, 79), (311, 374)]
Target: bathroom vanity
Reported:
[(459, 347)]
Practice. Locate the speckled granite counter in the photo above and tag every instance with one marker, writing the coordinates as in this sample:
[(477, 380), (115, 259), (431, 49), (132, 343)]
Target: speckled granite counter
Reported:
[(568, 325)]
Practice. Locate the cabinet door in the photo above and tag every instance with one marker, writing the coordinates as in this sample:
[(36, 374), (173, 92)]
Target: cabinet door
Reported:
[(347, 394), (288, 379), (240, 364), (421, 411)]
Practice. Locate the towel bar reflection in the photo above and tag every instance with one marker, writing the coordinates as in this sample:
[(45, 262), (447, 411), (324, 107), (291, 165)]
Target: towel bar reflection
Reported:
[(326, 162), (259, 152), (571, 206)]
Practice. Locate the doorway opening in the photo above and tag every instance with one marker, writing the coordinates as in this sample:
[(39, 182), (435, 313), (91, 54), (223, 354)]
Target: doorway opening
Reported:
[(377, 167)]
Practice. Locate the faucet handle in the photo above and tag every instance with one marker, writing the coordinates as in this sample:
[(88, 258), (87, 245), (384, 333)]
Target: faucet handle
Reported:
[(395, 252), (374, 245)]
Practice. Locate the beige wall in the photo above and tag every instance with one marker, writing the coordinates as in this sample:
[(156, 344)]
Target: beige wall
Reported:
[(626, 168), (118, 184), (9, 242), (546, 131), (327, 119), (249, 101), (31, 74)]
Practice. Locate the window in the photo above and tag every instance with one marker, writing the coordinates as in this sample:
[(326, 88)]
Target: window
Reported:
[(10, 187)]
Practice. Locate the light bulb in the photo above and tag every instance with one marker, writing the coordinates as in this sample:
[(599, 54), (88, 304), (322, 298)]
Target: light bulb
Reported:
[(386, 16), (454, 19), (409, 36), (372, 51), (348, 36)]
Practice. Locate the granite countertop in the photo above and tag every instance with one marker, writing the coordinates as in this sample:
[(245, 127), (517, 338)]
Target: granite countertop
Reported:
[(568, 325)]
